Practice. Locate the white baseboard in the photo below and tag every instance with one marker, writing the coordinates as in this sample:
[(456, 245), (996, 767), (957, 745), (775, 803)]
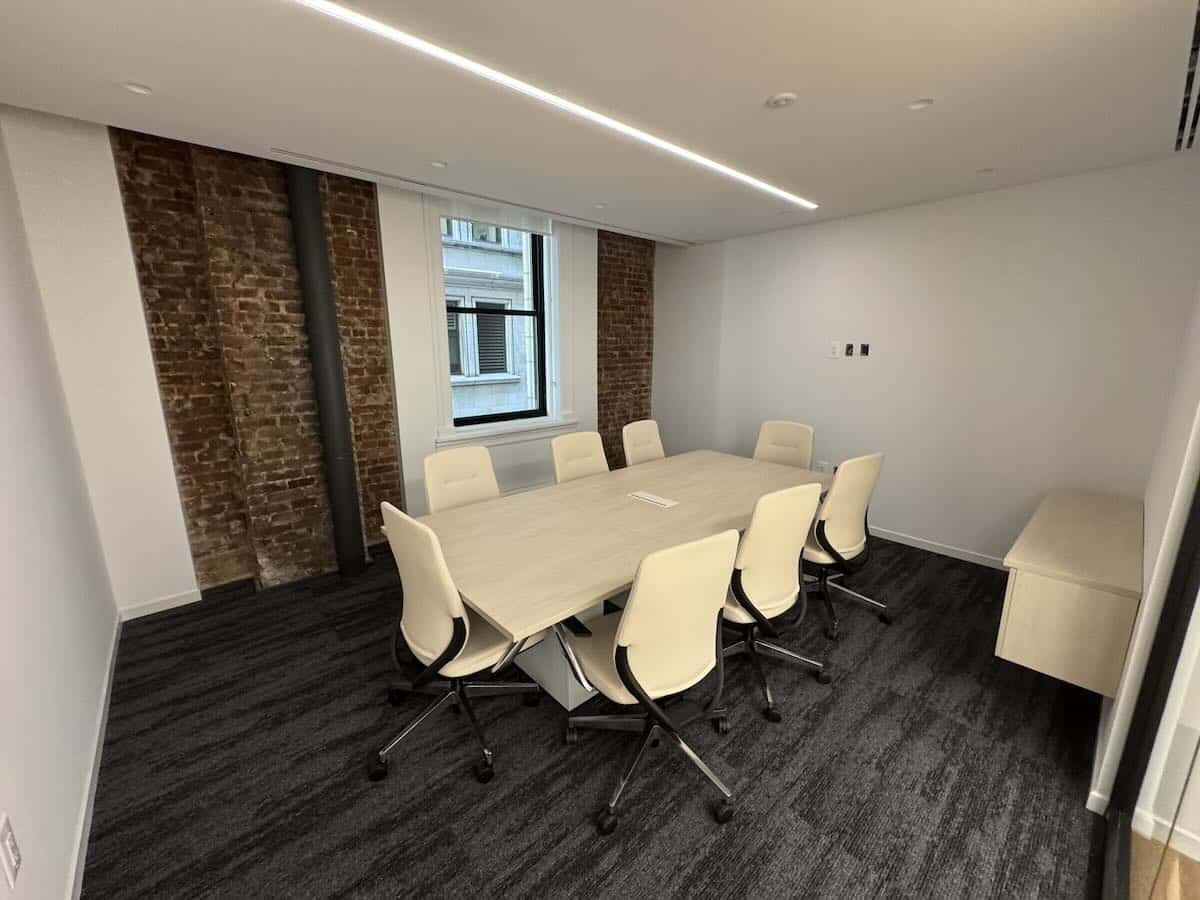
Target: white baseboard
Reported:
[(1148, 825), (994, 562), (1097, 802), (162, 603), (84, 825)]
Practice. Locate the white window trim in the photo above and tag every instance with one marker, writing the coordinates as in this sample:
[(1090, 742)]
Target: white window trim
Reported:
[(560, 417)]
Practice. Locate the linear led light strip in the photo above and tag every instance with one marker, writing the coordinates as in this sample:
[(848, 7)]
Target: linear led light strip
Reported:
[(358, 20)]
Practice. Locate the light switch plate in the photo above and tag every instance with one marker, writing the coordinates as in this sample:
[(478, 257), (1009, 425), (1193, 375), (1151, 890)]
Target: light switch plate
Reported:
[(10, 853)]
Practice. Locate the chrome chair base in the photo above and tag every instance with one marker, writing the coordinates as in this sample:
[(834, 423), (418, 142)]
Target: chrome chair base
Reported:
[(826, 579), (755, 648), (651, 736), (458, 692)]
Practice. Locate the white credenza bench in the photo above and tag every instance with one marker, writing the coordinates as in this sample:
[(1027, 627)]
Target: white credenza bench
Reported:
[(1074, 585)]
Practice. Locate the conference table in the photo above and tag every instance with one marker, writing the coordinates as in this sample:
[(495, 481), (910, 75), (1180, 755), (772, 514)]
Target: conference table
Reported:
[(529, 561)]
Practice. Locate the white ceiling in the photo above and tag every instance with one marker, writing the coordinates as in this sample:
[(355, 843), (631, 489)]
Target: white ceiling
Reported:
[(1034, 89)]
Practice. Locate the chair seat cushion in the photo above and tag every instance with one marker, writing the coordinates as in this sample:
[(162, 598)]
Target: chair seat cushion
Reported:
[(484, 648), (597, 657), (771, 607), (814, 554)]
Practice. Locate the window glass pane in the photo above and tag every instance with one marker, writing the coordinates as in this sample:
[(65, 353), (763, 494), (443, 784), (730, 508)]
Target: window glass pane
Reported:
[(490, 273), (501, 393)]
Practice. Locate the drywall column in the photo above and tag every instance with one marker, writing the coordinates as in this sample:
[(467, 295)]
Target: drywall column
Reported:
[(66, 185), (320, 316)]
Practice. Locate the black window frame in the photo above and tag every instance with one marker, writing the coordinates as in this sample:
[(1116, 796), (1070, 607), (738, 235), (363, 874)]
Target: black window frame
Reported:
[(537, 252)]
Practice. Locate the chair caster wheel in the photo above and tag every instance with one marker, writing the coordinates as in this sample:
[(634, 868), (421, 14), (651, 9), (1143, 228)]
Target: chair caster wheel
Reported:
[(606, 822), (377, 768), (531, 699), (772, 715), (571, 735), (722, 725), (395, 696), (885, 618), (723, 811), (484, 772), (823, 676)]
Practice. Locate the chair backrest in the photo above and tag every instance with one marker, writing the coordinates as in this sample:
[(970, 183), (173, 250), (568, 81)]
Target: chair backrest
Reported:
[(431, 601), (670, 620), (458, 477), (577, 455), (642, 443), (769, 553), (788, 443), (844, 511)]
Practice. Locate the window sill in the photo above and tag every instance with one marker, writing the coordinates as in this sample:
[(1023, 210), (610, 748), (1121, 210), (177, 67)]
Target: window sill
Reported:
[(466, 380), (517, 431)]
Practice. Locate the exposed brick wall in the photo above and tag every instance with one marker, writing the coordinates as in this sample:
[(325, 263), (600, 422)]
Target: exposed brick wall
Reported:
[(625, 335), (352, 229), (252, 274), (171, 257), (212, 235)]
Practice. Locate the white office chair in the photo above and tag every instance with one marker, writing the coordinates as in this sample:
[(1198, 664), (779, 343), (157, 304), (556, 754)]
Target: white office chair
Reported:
[(458, 477), (641, 442), (578, 455), (787, 443), (448, 639), (840, 539), (666, 640), (767, 583)]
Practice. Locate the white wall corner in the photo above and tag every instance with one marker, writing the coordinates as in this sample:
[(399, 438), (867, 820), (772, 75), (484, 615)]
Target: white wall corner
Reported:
[(66, 184)]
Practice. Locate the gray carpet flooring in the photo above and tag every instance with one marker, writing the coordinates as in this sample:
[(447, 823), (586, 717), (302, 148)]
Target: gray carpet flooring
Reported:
[(233, 765)]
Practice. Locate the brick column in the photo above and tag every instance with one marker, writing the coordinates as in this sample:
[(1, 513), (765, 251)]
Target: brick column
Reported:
[(625, 335)]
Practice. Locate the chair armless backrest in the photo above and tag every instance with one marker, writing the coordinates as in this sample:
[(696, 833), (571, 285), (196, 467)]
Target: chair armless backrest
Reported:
[(431, 601), (458, 477), (844, 512), (642, 443), (578, 455), (787, 443), (670, 622), (770, 549)]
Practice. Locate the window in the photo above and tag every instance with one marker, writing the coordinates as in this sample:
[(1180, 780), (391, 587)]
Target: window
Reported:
[(495, 321)]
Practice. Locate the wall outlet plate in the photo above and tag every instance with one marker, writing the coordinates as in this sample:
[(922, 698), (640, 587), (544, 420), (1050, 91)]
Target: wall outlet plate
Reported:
[(849, 349), (10, 853), (823, 465), (864, 349)]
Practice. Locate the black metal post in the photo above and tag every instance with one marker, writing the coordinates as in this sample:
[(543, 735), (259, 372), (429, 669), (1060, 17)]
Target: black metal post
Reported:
[(320, 318)]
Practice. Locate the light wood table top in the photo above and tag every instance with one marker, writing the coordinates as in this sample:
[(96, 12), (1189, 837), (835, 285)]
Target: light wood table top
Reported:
[(526, 561), (1090, 539)]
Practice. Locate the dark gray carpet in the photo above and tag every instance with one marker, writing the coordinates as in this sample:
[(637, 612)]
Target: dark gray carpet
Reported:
[(233, 765)]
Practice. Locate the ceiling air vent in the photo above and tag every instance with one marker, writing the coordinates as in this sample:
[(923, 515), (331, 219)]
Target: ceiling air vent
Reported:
[(1190, 113)]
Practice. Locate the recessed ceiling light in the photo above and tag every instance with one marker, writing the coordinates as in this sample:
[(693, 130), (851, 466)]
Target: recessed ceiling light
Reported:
[(600, 205), (134, 88), (439, 164), (988, 171), (779, 101), (921, 103), (395, 35)]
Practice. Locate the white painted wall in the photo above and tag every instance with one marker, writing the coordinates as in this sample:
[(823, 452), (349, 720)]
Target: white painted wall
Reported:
[(416, 322), (1021, 339), (1169, 493), (59, 620), (66, 186)]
